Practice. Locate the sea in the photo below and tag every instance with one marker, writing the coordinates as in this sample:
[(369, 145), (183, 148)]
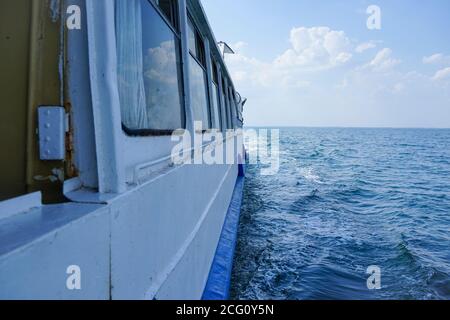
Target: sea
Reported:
[(351, 214)]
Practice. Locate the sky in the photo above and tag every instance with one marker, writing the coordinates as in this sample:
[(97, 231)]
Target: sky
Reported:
[(316, 63)]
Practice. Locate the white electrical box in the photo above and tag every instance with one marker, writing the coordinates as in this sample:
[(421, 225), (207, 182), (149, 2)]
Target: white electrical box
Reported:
[(52, 132)]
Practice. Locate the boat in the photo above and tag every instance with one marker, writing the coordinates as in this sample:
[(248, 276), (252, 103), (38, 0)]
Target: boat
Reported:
[(96, 96)]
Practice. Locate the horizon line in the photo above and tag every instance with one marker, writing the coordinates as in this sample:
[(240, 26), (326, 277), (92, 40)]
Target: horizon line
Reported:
[(345, 127)]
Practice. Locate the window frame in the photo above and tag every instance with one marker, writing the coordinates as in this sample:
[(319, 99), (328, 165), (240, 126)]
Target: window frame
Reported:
[(174, 11), (199, 39), (216, 86), (227, 102), (232, 105), (176, 30), (148, 152), (237, 103), (199, 44), (237, 115)]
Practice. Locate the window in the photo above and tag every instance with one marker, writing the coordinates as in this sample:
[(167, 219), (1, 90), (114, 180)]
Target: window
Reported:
[(149, 66), (198, 77), (238, 103), (196, 45), (226, 105), (232, 107), (215, 103), (236, 112), (214, 71), (170, 10)]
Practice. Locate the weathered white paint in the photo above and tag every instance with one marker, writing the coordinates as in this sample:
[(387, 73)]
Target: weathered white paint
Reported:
[(79, 97), (21, 204), (105, 95), (36, 248), (157, 240)]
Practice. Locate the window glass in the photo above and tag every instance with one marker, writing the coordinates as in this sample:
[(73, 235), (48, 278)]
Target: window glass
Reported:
[(226, 105), (199, 98), (149, 68), (215, 107), (198, 77), (215, 104), (196, 45), (170, 10), (201, 51), (215, 75), (229, 112), (192, 39), (232, 108)]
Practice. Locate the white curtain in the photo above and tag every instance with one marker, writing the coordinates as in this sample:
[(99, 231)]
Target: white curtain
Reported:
[(130, 63)]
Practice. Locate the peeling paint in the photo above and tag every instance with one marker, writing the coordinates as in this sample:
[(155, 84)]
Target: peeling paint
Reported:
[(55, 8)]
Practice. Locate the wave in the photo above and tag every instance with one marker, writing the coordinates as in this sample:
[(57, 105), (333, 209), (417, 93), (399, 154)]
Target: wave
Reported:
[(352, 198), (308, 174)]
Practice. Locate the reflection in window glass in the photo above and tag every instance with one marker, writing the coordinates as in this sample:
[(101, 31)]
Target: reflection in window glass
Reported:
[(149, 68), (192, 39), (199, 98)]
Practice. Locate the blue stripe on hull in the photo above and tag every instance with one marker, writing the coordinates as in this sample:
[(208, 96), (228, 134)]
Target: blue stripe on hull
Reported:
[(218, 284)]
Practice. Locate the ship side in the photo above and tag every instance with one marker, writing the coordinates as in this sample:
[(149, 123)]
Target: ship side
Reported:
[(97, 94)]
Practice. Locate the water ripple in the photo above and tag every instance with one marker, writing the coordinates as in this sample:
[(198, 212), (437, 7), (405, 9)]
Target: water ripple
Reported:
[(345, 199)]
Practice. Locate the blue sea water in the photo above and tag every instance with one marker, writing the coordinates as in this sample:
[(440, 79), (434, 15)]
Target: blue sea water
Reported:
[(343, 200)]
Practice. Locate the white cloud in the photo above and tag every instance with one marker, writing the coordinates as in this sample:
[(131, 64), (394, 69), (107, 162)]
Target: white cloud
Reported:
[(365, 46), (312, 50), (437, 58), (315, 48), (383, 61), (313, 83), (159, 63), (442, 74), (249, 70)]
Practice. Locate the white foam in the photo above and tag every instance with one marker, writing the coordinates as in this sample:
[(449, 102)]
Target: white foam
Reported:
[(308, 174)]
